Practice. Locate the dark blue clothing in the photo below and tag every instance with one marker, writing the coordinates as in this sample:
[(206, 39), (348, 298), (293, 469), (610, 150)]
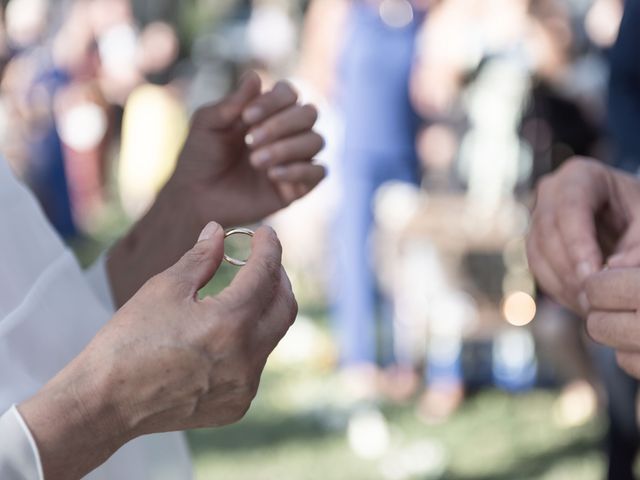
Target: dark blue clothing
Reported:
[(624, 122), (45, 173), (375, 70), (624, 90), (381, 128)]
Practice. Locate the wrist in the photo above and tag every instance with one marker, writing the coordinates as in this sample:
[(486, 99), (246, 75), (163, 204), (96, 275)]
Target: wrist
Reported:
[(203, 203), (75, 423), (153, 244)]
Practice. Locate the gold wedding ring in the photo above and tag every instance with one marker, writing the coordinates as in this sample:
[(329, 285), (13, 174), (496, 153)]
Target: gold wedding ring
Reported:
[(237, 231)]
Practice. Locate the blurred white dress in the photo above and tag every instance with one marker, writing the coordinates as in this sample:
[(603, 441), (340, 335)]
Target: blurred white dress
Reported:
[(49, 310)]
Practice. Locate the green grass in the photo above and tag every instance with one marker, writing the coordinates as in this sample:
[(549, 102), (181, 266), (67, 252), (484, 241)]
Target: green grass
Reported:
[(493, 436)]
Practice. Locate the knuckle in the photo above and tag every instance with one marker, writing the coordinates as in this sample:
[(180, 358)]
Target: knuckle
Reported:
[(252, 387), (159, 282), (572, 164), (578, 162), (294, 308), (197, 255), (226, 113), (241, 411)]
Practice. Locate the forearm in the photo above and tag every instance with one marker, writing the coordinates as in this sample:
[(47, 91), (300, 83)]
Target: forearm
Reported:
[(154, 243), (76, 428)]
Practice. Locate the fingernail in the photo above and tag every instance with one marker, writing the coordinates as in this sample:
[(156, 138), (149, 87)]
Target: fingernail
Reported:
[(256, 136), (249, 139), (209, 231), (260, 157), (585, 270), (277, 172), (252, 115)]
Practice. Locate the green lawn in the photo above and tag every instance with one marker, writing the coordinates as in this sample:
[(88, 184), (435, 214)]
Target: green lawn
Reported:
[(493, 436)]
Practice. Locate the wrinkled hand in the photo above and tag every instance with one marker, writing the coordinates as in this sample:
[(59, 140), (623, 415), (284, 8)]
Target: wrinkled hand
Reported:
[(586, 215), (614, 295), (168, 360), (249, 155)]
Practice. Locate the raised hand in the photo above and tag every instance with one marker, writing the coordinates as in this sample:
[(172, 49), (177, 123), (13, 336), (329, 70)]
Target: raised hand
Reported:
[(586, 215), (167, 360), (614, 295), (249, 155)]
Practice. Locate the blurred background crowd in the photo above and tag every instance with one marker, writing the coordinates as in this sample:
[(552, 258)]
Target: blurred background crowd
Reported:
[(423, 348)]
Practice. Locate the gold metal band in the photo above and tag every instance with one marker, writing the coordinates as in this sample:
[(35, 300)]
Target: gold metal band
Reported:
[(237, 231)]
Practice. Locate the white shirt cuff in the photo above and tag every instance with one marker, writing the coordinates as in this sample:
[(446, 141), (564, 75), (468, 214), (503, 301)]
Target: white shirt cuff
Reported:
[(19, 457), (98, 280)]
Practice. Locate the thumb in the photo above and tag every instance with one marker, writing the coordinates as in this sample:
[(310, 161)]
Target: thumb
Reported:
[(198, 265), (229, 110)]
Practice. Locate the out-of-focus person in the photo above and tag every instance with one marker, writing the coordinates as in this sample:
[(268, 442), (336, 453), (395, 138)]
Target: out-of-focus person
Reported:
[(368, 72), (623, 439)]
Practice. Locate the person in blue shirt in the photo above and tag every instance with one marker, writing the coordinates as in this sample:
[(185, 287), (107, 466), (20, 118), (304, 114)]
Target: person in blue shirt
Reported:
[(380, 133)]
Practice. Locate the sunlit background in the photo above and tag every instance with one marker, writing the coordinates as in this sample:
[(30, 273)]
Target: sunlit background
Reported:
[(422, 349)]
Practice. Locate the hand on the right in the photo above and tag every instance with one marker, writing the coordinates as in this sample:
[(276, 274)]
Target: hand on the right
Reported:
[(167, 360), (586, 215), (614, 318)]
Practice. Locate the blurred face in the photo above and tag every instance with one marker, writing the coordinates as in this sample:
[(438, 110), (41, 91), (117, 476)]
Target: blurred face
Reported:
[(551, 36), (26, 20), (158, 47)]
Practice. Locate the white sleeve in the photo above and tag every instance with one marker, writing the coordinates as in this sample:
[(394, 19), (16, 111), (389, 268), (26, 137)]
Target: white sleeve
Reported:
[(98, 280), (19, 458)]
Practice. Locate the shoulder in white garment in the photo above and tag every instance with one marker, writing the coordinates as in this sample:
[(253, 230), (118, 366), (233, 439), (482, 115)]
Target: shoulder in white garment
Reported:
[(49, 310)]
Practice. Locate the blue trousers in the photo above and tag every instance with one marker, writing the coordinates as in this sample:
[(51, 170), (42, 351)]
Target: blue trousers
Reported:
[(357, 304)]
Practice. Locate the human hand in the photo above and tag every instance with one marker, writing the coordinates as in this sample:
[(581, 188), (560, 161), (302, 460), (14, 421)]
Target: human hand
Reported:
[(167, 360), (249, 155), (585, 213), (614, 295)]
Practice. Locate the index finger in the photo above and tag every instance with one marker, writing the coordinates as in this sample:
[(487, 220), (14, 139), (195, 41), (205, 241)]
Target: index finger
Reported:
[(256, 284), (614, 289), (578, 232), (227, 111), (576, 223), (282, 96)]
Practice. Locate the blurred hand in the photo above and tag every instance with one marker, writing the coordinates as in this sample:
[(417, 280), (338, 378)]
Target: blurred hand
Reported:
[(167, 360), (245, 158), (614, 295), (250, 154), (586, 214)]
